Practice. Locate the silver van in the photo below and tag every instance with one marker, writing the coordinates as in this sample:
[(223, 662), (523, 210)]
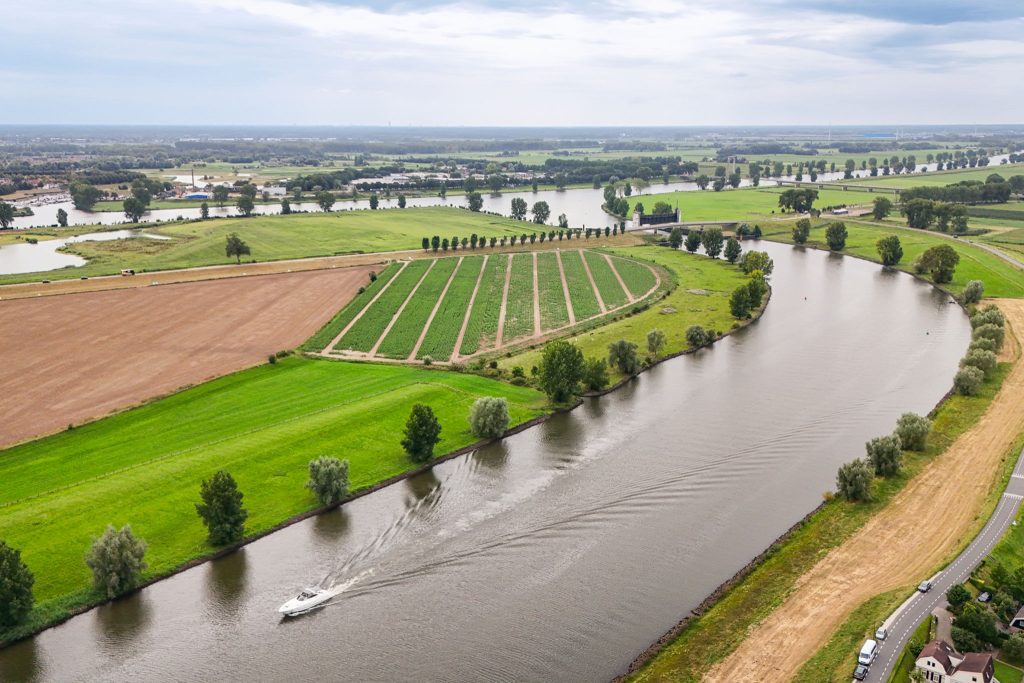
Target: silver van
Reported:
[(867, 653)]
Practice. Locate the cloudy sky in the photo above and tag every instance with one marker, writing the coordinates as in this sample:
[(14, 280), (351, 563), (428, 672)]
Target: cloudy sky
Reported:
[(590, 62)]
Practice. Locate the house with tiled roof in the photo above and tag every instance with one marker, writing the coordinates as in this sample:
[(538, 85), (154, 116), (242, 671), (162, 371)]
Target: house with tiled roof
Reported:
[(941, 663)]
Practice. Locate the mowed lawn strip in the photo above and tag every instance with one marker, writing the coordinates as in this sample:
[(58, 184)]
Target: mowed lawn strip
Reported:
[(553, 311), (263, 425), (519, 308), (407, 329), (638, 278), (482, 329), (584, 303), (611, 291), (323, 337), (444, 329), (367, 330)]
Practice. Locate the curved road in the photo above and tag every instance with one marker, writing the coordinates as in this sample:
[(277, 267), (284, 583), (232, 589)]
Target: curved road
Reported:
[(911, 613)]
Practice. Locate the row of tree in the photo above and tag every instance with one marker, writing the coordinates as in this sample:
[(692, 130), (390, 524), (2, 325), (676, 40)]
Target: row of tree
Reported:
[(884, 457), (474, 241)]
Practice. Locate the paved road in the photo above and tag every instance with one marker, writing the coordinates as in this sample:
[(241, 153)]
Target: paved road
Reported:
[(911, 613)]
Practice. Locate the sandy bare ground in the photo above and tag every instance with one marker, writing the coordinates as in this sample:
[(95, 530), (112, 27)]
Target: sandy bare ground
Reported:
[(68, 359), (902, 544)]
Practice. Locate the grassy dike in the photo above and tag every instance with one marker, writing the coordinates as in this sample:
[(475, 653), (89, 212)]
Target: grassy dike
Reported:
[(708, 637)]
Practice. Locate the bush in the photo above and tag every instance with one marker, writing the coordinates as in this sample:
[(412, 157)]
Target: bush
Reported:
[(115, 559), (489, 418), (968, 380), (427, 360), (622, 355), (912, 430), (835, 235), (1013, 649), (221, 509), (973, 292), (802, 231), (853, 481), (561, 370), (422, 432), (983, 360), (272, 359), (517, 371), (984, 345), (990, 331), (885, 454), (739, 303), (989, 316), (889, 250), (328, 479), (655, 341), (493, 365), (697, 336), (958, 595), (595, 374), (15, 587), (964, 640)]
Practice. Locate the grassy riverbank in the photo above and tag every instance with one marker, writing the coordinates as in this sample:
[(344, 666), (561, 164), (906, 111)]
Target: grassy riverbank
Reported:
[(755, 204), (263, 425), (712, 636)]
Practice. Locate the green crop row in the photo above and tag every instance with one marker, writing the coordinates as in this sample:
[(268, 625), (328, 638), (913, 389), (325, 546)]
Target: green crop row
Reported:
[(553, 311), (611, 291), (327, 333), (519, 307), (407, 329), (444, 329), (483, 320), (584, 302), (365, 333), (638, 277)]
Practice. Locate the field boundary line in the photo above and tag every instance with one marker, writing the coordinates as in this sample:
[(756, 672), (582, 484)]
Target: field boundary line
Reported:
[(437, 307), (457, 351), (565, 288), (593, 284), (499, 337), (622, 283), (536, 299), (364, 309), (394, 318)]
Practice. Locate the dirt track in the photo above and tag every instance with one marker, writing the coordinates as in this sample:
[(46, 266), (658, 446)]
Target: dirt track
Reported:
[(72, 358), (902, 544)]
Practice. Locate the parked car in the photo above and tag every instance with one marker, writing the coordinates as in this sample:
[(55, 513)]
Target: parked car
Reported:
[(925, 586), (861, 672), (985, 597), (867, 653), (882, 633)]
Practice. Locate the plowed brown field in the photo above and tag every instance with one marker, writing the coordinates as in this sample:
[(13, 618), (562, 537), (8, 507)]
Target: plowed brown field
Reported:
[(76, 357)]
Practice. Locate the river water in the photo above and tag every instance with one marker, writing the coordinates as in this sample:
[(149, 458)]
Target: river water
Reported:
[(44, 255), (563, 551)]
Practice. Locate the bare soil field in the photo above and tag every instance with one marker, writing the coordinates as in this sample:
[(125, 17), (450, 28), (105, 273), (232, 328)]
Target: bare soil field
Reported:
[(77, 357), (922, 525)]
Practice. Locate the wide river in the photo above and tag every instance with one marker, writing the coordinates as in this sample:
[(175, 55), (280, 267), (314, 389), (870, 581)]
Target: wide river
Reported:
[(564, 551)]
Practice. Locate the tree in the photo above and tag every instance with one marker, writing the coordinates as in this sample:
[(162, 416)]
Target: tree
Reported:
[(757, 261), (245, 205), (489, 418), (939, 262), (422, 432), (655, 342), (7, 215), (964, 640), (967, 380), (979, 621), (495, 182), (1013, 648), (83, 195), (802, 231), (326, 200), (563, 222), (890, 250), (885, 454), (835, 235), (221, 509), (800, 201), (220, 194), (519, 208), (732, 250), (712, 240), (882, 208), (697, 336), (920, 213), (990, 331), (622, 355), (116, 560), (234, 246), (474, 201), (718, 184), (739, 302), (853, 480), (133, 209), (595, 374), (675, 238), (204, 211), (561, 370), (702, 181), (374, 201), (957, 595), (62, 218), (328, 479), (692, 241), (981, 359), (541, 212), (912, 430), (247, 190), (16, 582), (973, 292)]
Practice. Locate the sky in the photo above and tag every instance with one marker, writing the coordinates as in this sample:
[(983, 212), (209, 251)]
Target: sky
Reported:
[(532, 63)]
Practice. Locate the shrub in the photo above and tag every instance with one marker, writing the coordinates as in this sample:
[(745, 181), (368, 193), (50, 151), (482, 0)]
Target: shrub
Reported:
[(968, 380), (221, 509), (912, 430), (328, 479), (422, 432), (1013, 649), (655, 342), (697, 336), (885, 454), (272, 359), (983, 344), (115, 559), (983, 360), (989, 316), (489, 418), (739, 303), (989, 331), (802, 231), (427, 360), (958, 595), (973, 291), (835, 235), (493, 365), (853, 481), (595, 374), (517, 371), (622, 355), (889, 250), (15, 587)]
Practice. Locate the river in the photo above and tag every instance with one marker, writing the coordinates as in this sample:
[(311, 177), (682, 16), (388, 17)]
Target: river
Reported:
[(561, 552)]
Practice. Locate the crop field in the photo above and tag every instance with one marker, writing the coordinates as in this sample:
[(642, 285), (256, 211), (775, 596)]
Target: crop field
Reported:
[(364, 325), (263, 425)]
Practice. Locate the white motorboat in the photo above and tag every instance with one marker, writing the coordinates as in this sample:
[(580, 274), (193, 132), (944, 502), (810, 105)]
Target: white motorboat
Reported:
[(307, 600)]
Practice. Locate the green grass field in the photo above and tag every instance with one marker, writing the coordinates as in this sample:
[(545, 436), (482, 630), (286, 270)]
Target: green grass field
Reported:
[(941, 178), (1008, 674), (274, 238), (263, 425), (744, 204)]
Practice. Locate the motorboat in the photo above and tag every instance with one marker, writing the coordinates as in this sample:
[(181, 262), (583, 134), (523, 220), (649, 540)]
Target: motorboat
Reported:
[(307, 600)]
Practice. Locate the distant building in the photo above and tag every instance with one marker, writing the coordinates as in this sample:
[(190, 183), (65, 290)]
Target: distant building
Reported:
[(941, 663)]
